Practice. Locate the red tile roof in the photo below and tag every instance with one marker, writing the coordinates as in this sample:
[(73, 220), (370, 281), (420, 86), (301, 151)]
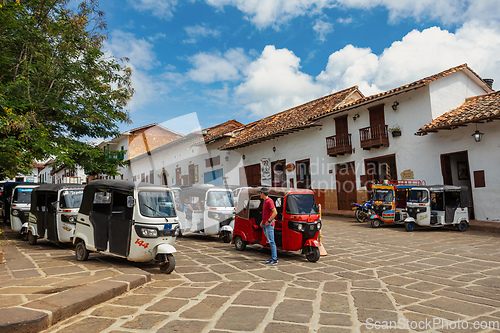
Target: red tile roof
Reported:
[(287, 121), (475, 109), (221, 130), (410, 86)]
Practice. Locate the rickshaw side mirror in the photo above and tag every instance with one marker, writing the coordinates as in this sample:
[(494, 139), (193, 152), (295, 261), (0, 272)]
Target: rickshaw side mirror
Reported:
[(55, 204), (130, 201)]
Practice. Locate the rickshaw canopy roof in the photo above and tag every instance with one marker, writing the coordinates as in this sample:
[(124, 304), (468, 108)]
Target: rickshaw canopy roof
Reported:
[(247, 193), (200, 191), (57, 187), (110, 184), (9, 187), (463, 190)]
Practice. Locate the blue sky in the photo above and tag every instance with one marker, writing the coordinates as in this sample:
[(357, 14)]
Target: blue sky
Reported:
[(246, 59)]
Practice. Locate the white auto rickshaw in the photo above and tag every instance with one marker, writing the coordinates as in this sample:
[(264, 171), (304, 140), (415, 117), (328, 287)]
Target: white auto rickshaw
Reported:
[(438, 206), (54, 209), (20, 205), (212, 211), (136, 221)]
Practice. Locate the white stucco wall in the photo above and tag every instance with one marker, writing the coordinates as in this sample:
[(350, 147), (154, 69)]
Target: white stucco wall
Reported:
[(450, 91)]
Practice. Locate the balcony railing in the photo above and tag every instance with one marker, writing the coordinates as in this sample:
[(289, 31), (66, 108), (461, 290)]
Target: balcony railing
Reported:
[(338, 145), (374, 137)]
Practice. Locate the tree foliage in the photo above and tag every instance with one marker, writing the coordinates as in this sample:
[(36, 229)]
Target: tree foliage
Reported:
[(58, 87)]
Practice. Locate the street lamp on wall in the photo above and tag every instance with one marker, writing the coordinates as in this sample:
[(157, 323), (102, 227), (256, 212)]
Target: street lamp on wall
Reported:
[(356, 116), (394, 105), (274, 149), (477, 135)]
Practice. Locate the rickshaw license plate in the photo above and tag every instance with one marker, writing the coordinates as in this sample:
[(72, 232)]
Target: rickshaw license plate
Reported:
[(167, 226)]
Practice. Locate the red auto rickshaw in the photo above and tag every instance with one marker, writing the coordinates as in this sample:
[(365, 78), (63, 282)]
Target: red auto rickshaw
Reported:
[(297, 224)]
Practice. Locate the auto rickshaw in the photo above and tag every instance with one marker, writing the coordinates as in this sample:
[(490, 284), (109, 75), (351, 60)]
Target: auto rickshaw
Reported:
[(438, 206), (54, 209), (7, 198), (213, 211), (20, 205), (136, 221), (389, 201), (297, 224)]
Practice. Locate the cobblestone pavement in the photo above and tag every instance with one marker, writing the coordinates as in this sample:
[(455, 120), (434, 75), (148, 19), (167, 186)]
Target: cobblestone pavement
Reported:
[(436, 280)]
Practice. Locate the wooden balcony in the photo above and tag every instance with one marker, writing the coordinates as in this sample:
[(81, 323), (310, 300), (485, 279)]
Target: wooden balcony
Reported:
[(338, 145), (374, 137)]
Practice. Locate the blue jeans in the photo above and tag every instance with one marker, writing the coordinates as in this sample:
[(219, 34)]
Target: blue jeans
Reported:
[(269, 232)]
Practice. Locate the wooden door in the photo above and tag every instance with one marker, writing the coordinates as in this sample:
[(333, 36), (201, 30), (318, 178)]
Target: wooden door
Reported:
[(191, 176), (341, 126), (377, 116), (252, 174), (303, 169), (345, 176)]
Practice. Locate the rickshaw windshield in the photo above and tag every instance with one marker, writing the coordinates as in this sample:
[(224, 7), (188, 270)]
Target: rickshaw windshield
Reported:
[(301, 204), (71, 198), (220, 199), (383, 195), (22, 195), (156, 204), (419, 196)]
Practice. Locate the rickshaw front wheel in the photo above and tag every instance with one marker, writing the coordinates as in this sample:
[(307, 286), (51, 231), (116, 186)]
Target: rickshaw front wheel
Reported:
[(376, 223), (167, 266), (462, 226), (313, 256), (226, 237), (239, 243), (31, 238), (410, 226), (81, 251), (24, 236)]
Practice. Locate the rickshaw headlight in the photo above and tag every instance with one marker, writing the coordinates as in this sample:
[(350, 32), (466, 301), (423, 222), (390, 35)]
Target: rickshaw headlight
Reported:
[(319, 225), (300, 227), (71, 219), (146, 232), (15, 212)]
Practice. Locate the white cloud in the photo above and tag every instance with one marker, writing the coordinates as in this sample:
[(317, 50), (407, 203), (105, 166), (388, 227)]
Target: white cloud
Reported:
[(417, 55), (160, 8), (139, 51), (266, 13), (142, 58), (322, 28), (196, 31), (274, 82), (213, 67)]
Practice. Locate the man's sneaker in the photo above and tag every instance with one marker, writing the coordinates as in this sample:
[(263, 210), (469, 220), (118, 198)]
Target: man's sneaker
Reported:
[(268, 261), (272, 263)]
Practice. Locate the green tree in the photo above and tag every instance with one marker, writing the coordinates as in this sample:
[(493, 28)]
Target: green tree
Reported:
[(57, 86)]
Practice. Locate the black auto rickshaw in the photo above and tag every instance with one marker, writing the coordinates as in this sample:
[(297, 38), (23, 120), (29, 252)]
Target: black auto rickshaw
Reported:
[(54, 208)]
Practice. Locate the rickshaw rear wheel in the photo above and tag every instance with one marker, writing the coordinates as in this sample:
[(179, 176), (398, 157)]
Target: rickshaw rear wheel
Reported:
[(239, 243), (410, 226), (31, 238), (462, 226), (168, 266), (81, 251), (376, 223), (313, 256), (226, 237)]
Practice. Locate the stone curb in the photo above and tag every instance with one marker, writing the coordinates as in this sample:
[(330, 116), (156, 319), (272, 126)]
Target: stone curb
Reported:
[(41, 314)]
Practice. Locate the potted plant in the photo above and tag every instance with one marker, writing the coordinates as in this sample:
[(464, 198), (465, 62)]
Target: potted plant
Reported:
[(395, 131)]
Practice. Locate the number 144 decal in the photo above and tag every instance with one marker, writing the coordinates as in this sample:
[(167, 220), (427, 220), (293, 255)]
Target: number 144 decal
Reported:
[(141, 243)]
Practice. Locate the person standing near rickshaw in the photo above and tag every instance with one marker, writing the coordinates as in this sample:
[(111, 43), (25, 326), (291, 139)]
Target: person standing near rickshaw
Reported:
[(269, 212), (188, 210)]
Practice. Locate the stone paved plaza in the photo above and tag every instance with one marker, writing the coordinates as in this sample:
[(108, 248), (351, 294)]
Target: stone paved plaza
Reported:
[(437, 280)]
